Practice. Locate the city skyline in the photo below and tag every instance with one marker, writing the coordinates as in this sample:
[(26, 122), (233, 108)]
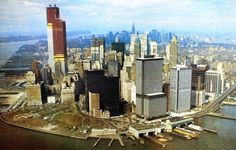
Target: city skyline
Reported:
[(192, 16)]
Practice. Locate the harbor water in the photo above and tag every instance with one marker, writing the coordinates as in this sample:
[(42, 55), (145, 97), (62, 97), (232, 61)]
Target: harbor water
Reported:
[(16, 138)]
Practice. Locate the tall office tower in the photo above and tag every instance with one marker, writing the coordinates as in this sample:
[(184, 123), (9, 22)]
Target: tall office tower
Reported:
[(36, 94), (144, 41), (36, 71), (128, 89), (173, 48), (47, 75), (145, 47), (180, 88), (137, 48), (213, 83), (198, 76), (153, 48), (133, 38), (94, 103), (106, 86), (150, 101), (198, 81), (133, 29), (98, 50), (56, 31), (119, 47)]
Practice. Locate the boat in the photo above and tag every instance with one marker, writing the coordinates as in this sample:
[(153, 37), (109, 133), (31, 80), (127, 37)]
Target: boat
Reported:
[(186, 132), (195, 127)]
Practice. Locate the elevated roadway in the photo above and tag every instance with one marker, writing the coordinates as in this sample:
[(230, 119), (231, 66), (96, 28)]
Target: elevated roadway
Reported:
[(214, 105)]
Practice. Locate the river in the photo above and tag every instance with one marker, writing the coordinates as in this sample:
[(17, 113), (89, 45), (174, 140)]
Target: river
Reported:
[(8, 49), (16, 138)]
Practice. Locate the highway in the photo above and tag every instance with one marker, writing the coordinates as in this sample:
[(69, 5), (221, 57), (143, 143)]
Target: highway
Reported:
[(214, 105)]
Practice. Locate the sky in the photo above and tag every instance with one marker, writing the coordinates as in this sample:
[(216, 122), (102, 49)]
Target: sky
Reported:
[(100, 16)]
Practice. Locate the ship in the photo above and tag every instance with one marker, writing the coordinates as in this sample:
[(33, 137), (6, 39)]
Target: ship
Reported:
[(183, 131), (195, 127)]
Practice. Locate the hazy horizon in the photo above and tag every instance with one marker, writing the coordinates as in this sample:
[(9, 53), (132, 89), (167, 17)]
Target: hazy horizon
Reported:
[(213, 17)]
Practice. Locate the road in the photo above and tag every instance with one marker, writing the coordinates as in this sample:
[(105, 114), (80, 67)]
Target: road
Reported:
[(213, 106)]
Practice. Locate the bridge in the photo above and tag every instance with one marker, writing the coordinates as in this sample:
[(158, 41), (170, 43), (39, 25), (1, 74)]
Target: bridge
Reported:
[(213, 106)]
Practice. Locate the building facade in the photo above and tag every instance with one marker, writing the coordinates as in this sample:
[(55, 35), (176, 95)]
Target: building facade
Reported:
[(150, 101), (56, 35), (213, 83), (173, 56), (180, 88)]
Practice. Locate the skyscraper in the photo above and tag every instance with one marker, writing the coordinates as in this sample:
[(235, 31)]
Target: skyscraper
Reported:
[(144, 44), (153, 48), (36, 71), (133, 38), (133, 29), (173, 48), (56, 31), (119, 47), (198, 81), (180, 88), (98, 50), (150, 100), (213, 82), (145, 48), (137, 48), (107, 87)]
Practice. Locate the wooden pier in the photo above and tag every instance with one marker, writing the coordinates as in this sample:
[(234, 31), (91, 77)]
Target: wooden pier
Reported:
[(209, 130), (121, 142), (95, 144), (109, 145)]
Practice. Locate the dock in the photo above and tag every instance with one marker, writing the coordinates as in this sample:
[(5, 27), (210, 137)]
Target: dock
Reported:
[(232, 103), (222, 116), (95, 144), (121, 142), (133, 138), (109, 145), (209, 130)]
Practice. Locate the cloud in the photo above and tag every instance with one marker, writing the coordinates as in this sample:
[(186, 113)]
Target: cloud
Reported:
[(105, 15)]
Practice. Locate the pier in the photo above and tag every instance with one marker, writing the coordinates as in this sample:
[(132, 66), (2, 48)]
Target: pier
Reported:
[(232, 103), (209, 130), (95, 144), (109, 145), (222, 116), (121, 142)]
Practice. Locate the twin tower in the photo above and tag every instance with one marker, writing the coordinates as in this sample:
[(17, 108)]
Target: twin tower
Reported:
[(56, 31)]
